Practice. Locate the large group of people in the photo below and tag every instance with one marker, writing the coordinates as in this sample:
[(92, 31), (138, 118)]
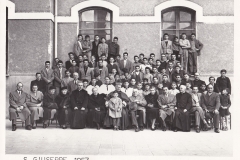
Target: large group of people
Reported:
[(96, 88)]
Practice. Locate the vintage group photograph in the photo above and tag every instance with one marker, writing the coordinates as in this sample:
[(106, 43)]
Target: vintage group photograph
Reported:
[(119, 78)]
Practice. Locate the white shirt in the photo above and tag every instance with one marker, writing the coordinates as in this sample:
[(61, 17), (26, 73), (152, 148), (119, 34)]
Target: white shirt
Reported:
[(174, 91), (103, 89), (195, 97), (127, 91), (89, 89)]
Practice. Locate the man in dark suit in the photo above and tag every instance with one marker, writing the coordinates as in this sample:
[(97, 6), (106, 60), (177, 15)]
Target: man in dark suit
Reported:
[(137, 75), (47, 75), (125, 63), (40, 83), (182, 110), (59, 74), (176, 72), (68, 63), (165, 81), (113, 48), (211, 105), (18, 107), (95, 44), (197, 81), (223, 82), (212, 82)]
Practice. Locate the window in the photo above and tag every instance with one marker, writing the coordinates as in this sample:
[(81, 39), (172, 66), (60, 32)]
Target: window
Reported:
[(178, 20), (96, 21)]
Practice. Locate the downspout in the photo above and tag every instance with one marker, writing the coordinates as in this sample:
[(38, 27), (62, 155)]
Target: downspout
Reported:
[(55, 29)]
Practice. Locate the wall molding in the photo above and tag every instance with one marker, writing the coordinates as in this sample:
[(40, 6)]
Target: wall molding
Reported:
[(156, 18)]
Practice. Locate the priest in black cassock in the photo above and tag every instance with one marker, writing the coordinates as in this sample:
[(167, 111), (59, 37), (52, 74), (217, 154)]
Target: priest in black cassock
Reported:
[(182, 115), (79, 102), (97, 109)]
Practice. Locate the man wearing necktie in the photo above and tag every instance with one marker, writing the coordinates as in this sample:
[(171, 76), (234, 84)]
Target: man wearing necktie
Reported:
[(18, 107), (86, 72), (59, 73), (167, 102)]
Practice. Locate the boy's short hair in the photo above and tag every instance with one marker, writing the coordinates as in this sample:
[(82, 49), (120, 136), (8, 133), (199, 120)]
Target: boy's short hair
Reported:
[(144, 58), (137, 66), (223, 70), (165, 74), (165, 34), (70, 53), (84, 80), (193, 34), (37, 73), (141, 54), (60, 61), (147, 68), (115, 38), (87, 36), (85, 60), (163, 55), (125, 53), (135, 57), (67, 71), (211, 77), (80, 35), (47, 62), (152, 54)]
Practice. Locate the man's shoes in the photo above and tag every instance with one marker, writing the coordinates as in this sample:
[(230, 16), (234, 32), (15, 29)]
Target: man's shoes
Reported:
[(33, 127), (175, 130), (141, 128), (216, 130), (14, 127), (197, 130), (44, 126), (153, 129), (98, 127), (29, 127), (207, 126), (136, 129), (164, 128)]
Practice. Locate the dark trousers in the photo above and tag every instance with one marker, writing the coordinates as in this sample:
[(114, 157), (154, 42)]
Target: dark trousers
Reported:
[(182, 120), (133, 115), (210, 115), (192, 61)]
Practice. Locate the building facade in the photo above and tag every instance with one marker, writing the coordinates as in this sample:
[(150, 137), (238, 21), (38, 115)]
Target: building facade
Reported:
[(41, 30)]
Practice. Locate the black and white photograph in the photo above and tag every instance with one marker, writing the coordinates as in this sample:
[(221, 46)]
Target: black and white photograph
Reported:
[(85, 79)]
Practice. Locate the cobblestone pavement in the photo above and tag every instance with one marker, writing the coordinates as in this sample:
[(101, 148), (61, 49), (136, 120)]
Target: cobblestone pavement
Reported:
[(108, 142)]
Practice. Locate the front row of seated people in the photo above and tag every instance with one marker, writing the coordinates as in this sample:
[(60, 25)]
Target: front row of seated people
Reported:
[(109, 106)]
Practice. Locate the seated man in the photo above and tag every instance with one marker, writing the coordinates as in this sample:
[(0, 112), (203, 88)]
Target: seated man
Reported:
[(64, 110), (184, 104), (137, 104), (196, 107), (40, 83), (34, 103), (79, 101), (18, 107), (49, 106), (96, 106), (211, 104), (167, 102), (152, 107)]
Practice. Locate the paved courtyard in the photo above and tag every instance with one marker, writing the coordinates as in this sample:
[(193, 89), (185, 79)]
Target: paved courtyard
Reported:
[(108, 142)]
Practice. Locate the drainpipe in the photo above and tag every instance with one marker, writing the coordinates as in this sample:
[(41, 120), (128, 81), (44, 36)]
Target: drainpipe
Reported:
[(55, 29)]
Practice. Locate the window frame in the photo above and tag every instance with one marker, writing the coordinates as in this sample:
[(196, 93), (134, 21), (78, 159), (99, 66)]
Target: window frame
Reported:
[(177, 21), (96, 29)]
